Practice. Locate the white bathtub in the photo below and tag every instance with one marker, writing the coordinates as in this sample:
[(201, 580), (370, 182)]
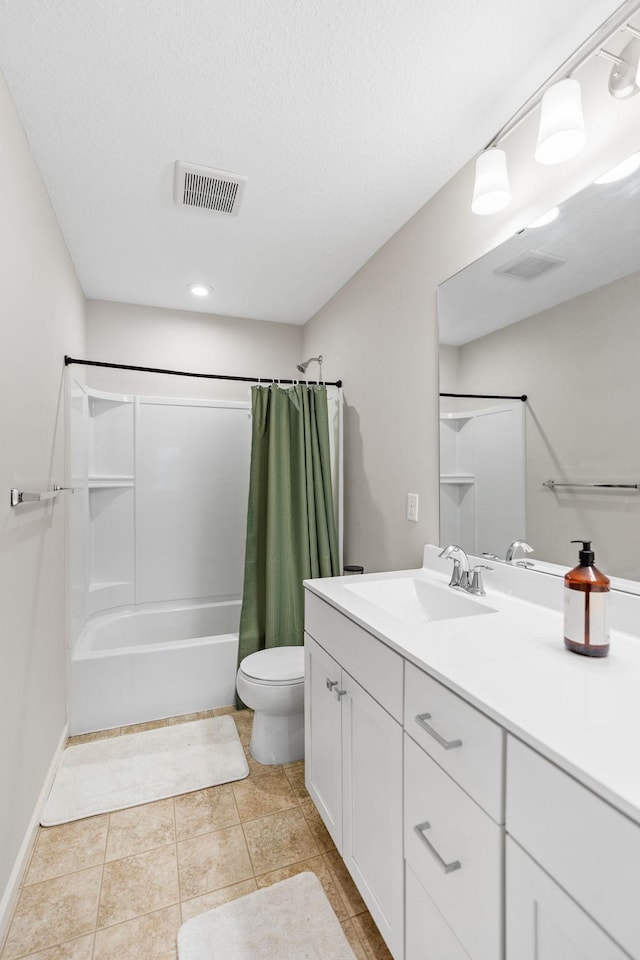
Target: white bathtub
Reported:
[(153, 662)]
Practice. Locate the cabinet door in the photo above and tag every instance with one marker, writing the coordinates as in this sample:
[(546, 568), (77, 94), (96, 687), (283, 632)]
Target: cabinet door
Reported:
[(543, 923), (323, 736), (372, 826)]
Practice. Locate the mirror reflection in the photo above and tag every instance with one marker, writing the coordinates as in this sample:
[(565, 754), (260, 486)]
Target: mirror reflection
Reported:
[(552, 314)]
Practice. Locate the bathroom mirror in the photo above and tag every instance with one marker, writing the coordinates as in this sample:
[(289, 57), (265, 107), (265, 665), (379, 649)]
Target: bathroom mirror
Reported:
[(553, 313)]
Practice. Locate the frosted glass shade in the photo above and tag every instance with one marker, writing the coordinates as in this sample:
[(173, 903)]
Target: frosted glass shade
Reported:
[(561, 134), (491, 191)]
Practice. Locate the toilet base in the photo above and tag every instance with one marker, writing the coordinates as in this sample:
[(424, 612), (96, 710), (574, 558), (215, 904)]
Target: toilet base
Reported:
[(277, 739)]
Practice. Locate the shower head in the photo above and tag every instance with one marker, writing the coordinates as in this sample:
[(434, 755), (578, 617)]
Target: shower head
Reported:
[(302, 367)]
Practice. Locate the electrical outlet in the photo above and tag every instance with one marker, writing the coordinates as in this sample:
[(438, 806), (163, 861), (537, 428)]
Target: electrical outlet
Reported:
[(412, 507)]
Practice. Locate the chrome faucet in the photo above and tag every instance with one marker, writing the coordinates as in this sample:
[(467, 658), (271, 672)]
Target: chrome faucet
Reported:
[(517, 544), (460, 573)]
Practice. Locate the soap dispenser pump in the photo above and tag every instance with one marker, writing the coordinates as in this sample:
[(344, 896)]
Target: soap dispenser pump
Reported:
[(586, 601)]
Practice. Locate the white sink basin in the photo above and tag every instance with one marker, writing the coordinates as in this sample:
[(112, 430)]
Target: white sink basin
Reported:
[(417, 601)]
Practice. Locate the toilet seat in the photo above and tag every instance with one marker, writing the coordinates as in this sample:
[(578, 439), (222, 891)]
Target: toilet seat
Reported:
[(281, 666)]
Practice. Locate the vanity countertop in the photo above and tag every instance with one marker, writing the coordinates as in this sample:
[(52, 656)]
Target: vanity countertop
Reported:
[(582, 713)]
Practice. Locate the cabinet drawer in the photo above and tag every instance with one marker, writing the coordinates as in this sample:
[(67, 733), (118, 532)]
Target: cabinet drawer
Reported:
[(375, 667), (455, 850), (428, 936), (464, 742), (590, 849)]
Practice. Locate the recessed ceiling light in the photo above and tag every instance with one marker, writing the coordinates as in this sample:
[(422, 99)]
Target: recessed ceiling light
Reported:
[(199, 289), (546, 218), (624, 169)]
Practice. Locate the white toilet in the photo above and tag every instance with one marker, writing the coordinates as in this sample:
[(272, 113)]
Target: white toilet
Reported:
[(271, 682)]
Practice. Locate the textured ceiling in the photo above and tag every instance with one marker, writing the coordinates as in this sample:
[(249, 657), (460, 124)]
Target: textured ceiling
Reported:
[(344, 115)]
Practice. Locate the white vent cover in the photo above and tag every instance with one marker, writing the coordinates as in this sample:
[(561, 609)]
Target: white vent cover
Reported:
[(208, 189), (530, 265)]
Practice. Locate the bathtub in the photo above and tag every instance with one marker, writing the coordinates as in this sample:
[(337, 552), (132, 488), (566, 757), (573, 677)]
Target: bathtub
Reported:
[(152, 662)]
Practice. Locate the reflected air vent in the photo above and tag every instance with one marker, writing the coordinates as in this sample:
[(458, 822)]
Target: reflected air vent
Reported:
[(214, 190), (530, 265)]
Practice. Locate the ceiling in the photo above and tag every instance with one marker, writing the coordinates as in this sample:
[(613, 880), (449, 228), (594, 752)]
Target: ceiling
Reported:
[(345, 116)]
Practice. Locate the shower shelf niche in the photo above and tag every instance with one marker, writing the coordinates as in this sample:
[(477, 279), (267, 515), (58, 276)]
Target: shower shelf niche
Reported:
[(105, 483), (111, 499), (461, 479)]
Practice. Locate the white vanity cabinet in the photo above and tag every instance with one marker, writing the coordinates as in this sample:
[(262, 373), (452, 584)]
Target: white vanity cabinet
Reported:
[(474, 830), (353, 750)]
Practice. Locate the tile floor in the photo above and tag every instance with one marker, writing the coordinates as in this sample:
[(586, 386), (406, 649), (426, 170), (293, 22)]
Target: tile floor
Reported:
[(119, 885)]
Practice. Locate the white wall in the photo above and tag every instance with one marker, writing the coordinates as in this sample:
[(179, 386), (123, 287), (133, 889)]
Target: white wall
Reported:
[(202, 343), (43, 308), (379, 333), (578, 364)]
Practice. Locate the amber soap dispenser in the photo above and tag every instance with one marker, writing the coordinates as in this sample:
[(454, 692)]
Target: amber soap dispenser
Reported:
[(586, 606)]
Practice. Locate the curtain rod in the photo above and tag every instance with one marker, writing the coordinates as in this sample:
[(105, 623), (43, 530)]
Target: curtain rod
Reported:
[(485, 396), (185, 373)]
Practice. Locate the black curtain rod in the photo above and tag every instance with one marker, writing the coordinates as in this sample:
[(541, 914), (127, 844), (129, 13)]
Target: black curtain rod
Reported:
[(186, 373), (485, 396)]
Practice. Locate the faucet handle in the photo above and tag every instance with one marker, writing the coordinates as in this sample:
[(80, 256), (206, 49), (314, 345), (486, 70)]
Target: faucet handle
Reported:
[(477, 586), (491, 556)]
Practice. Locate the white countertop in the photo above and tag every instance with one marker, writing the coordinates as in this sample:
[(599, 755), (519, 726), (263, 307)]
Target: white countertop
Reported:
[(582, 713)]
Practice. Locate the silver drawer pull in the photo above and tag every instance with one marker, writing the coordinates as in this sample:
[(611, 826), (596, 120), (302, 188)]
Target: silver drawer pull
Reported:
[(339, 694), (331, 684), (421, 719), (447, 867)]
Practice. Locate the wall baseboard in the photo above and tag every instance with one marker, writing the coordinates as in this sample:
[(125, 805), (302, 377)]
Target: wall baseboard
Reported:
[(11, 891)]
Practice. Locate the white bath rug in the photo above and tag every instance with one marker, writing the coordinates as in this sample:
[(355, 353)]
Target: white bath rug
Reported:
[(119, 772), (291, 920)]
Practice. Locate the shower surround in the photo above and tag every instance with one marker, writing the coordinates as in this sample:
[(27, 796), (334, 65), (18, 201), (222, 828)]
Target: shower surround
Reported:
[(157, 534)]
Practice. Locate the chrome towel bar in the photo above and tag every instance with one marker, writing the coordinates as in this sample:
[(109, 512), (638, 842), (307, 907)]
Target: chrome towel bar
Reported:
[(552, 484), (22, 496)]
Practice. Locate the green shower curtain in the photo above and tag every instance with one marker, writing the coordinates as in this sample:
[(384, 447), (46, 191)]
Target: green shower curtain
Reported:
[(291, 532)]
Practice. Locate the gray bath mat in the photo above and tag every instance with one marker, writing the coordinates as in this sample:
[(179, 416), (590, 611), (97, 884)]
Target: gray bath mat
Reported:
[(291, 920), (119, 772)]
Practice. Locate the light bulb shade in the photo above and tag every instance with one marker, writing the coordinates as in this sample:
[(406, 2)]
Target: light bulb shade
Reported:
[(561, 134), (491, 191)]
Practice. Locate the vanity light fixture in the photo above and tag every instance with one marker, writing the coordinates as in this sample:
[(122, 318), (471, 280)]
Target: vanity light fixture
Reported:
[(491, 191), (546, 218), (562, 131), (199, 289), (562, 134), (621, 170)]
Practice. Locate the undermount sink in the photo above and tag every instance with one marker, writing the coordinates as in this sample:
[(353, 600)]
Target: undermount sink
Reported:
[(418, 601)]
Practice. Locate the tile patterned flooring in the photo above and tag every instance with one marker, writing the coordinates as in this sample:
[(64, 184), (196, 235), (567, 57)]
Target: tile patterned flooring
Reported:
[(120, 885)]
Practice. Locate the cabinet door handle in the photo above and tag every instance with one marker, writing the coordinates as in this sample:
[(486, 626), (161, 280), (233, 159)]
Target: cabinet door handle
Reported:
[(421, 719), (339, 694), (447, 867), (331, 684)]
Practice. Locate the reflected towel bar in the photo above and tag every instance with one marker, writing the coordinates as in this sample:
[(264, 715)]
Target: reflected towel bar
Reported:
[(552, 484), (22, 496)]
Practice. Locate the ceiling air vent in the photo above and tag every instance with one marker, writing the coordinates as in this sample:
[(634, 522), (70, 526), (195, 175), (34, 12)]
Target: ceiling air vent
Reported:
[(530, 265), (208, 189)]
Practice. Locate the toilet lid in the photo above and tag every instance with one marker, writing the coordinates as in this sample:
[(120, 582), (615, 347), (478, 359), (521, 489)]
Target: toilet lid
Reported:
[(276, 664)]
